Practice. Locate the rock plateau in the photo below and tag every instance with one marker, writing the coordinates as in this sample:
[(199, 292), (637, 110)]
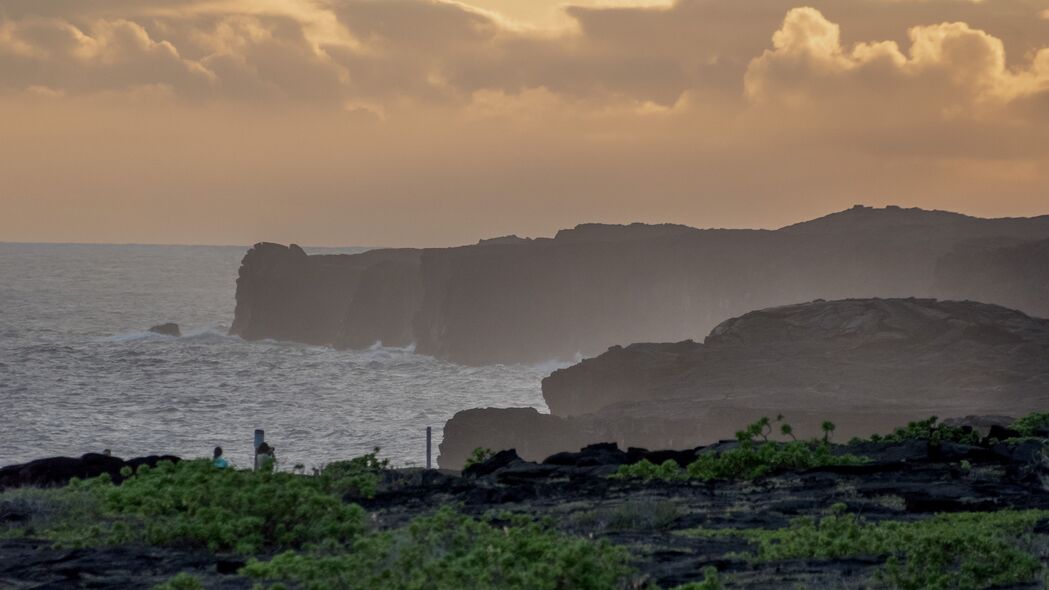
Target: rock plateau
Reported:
[(865, 364)]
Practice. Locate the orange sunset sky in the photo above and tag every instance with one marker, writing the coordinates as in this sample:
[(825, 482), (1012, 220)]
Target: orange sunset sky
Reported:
[(424, 122)]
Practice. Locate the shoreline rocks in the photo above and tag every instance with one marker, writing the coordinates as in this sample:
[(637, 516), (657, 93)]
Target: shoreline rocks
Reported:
[(57, 471), (168, 329)]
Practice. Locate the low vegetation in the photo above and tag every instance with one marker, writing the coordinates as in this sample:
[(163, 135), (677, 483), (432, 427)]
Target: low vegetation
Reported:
[(357, 477), (306, 532), (323, 542), (182, 581), (1031, 424), (754, 457), (192, 504), (479, 455), (450, 551), (935, 432), (931, 430), (962, 551)]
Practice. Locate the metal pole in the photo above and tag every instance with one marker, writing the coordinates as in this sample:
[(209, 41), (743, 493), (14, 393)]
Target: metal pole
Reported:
[(260, 437), (429, 436)]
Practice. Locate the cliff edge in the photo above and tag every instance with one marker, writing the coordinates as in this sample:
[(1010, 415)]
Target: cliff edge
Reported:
[(513, 300), (865, 364)]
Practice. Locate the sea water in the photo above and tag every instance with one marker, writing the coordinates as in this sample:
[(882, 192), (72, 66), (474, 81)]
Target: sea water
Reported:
[(79, 371)]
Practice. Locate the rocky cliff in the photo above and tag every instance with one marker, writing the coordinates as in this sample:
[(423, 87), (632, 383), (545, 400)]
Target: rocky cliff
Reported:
[(866, 364), (1014, 274), (348, 300), (513, 300)]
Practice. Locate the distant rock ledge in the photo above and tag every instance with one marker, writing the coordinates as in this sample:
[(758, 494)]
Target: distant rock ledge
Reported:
[(868, 365)]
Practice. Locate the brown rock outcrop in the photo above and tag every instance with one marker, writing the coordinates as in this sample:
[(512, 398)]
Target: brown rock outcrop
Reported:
[(866, 364)]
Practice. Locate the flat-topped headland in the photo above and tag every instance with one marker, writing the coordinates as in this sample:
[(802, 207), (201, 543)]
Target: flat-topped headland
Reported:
[(514, 300), (866, 364)]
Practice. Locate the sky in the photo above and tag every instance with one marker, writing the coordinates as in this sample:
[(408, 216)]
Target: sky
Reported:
[(433, 123)]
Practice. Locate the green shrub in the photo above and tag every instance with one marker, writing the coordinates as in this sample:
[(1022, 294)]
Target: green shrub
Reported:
[(182, 581), (930, 430), (479, 455), (450, 551), (193, 504), (711, 581), (964, 551), (751, 459), (357, 477), (1031, 423)]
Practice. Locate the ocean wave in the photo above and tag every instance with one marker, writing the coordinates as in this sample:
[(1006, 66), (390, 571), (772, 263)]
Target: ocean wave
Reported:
[(208, 334), (135, 336), (378, 347)]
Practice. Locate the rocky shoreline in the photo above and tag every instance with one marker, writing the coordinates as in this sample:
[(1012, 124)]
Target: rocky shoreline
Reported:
[(670, 528)]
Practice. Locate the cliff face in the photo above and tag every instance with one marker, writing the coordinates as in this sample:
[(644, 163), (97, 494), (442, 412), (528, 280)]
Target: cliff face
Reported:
[(1015, 274), (285, 294), (866, 364), (513, 300)]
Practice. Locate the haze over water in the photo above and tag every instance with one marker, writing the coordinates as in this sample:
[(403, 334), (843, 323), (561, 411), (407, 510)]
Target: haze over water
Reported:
[(80, 373)]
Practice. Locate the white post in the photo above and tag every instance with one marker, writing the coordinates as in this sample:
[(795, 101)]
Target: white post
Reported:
[(429, 436)]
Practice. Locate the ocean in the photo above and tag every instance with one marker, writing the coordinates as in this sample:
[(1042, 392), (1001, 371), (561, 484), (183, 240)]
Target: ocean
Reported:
[(79, 371)]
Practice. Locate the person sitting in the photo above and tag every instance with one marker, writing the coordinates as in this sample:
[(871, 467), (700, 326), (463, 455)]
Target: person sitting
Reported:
[(219, 461)]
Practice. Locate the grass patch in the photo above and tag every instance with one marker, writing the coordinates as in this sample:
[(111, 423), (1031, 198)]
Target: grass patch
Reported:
[(182, 581), (450, 551), (931, 430), (631, 515), (755, 457), (478, 456), (192, 504), (358, 477), (1031, 424), (960, 551)]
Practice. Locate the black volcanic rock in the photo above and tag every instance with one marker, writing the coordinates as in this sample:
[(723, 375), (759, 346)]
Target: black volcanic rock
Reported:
[(866, 364), (904, 482), (57, 471), (168, 329), (35, 563), (500, 460)]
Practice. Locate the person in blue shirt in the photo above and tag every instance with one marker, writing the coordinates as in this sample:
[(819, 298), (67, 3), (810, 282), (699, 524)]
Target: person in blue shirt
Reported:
[(219, 461)]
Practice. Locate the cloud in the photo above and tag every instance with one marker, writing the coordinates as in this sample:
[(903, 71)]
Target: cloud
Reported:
[(107, 53), (430, 121), (401, 52), (949, 66)]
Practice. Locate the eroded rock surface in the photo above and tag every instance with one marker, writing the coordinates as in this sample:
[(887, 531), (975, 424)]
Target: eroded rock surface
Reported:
[(866, 364)]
